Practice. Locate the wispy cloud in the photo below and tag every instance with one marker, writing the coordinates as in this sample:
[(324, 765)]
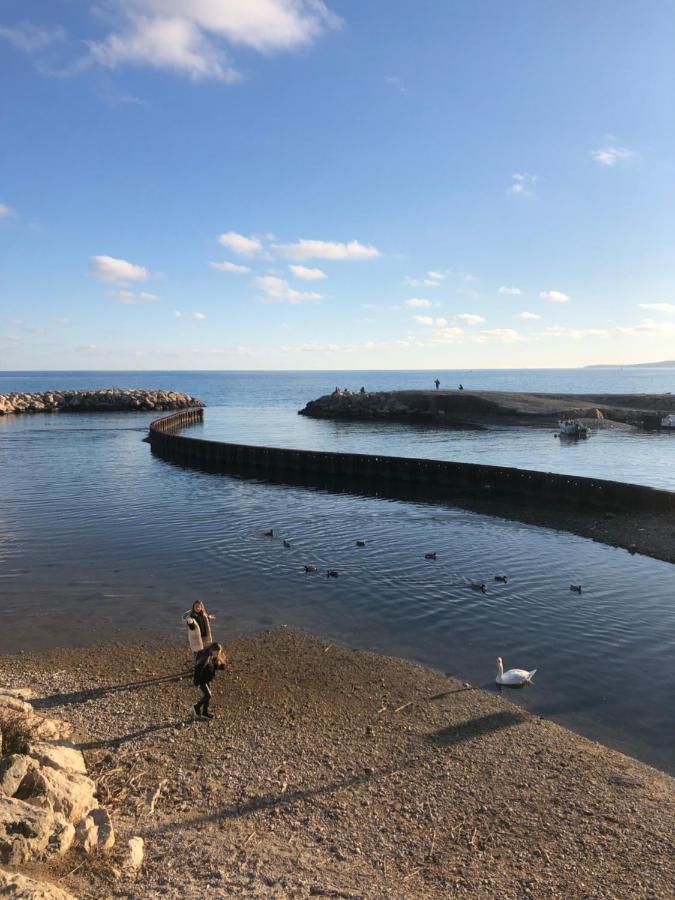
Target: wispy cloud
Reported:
[(230, 267), (470, 318), (554, 296), (307, 274), (431, 279), (194, 37), (510, 291), (240, 244), (276, 290), (562, 331), (501, 335), (133, 298), (659, 307), (522, 184), (109, 268), (528, 316), (315, 249), (611, 154), (429, 320), (29, 38), (199, 316), (6, 212), (648, 327), (419, 303)]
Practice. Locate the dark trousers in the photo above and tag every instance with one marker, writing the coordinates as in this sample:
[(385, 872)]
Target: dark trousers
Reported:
[(202, 705)]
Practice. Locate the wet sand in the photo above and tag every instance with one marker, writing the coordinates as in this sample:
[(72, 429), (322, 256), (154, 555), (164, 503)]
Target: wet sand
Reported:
[(335, 773)]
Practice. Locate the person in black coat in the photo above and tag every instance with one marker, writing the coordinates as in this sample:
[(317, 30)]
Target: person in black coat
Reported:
[(207, 663)]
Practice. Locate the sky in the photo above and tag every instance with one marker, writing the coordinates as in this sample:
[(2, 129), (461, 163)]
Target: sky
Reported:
[(355, 184)]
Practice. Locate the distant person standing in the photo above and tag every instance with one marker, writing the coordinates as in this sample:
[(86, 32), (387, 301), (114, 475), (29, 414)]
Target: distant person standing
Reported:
[(437, 383), (209, 660), (461, 387)]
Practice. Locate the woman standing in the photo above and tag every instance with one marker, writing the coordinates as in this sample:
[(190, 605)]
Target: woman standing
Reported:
[(198, 622), (208, 661)]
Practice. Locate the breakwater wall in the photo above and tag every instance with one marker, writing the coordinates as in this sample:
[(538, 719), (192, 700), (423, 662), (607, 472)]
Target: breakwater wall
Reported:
[(104, 400), (444, 479)]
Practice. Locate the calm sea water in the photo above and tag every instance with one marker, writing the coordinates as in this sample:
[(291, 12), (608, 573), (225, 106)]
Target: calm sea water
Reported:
[(101, 540)]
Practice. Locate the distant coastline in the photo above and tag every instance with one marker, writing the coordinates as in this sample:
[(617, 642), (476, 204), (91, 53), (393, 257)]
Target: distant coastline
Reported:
[(665, 364)]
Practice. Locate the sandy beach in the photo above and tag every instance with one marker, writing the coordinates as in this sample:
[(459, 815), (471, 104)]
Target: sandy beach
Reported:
[(335, 773)]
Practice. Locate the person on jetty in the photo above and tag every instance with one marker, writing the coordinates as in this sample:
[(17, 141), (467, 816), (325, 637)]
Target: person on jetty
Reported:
[(208, 661), (437, 383), (198, 621)]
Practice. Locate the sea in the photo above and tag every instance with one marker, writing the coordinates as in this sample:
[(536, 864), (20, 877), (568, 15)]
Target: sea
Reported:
[(102, 541)]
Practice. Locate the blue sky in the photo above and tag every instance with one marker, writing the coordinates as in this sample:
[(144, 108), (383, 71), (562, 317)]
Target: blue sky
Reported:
[(285, 184)]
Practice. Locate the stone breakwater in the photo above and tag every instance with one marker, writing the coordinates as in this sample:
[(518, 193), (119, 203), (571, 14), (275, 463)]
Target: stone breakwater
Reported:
[(482, 409), (106, 400)]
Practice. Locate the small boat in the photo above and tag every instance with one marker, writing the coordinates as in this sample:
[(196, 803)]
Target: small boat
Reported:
[(573, 428), (668, 421)]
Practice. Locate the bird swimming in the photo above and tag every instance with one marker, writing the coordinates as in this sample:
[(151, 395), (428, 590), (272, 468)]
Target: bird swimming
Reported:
[(287, 544), (332, 573), (478, 586), (513, 677), (430, 555), (269, 533), (503, 578), (360, 543), (576, 588), (309, 569)]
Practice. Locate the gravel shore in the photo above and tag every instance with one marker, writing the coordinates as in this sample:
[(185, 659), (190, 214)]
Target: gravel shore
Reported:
[(335, 773)]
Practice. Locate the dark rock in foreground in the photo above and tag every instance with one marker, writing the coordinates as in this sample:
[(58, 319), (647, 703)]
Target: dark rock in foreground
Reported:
[(480, 409), (106, 400)]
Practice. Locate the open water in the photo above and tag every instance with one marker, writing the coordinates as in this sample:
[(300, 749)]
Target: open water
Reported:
[(100, 540)]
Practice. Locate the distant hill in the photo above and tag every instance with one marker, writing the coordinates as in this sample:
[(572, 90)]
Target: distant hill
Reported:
[(666, 364)]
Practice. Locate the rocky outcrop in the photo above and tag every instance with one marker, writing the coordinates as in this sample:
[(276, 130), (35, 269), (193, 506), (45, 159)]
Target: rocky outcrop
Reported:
[(481, 409), (19, 887), (30, 834), (107, 400)]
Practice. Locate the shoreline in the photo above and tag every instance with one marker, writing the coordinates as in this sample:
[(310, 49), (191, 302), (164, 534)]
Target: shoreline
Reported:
[(344, 773)]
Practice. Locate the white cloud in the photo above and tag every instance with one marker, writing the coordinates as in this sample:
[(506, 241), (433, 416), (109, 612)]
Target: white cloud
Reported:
[(27, 37), (64, 323), (6, 211), (307, 274), (511, 291), (431, 279), (229, 267), (276, 290), (561, 331), (648, 327), (528, 316), (131, 298), (418, 303), (447, 335), (659, 307), (429, 320), (522, 184), (199, 316), (313, 249), (240, 244), (610, 155), (178, 314), (554, 296), (470, 318), (108, 268), (502, 335), (187, 36)]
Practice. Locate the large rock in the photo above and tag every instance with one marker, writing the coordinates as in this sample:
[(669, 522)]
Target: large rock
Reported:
[(135, 854), (29, 834), (95, 831), (50, 729), (67, 793), (9, 703), (61, 755), (19, 887), (13, 770)]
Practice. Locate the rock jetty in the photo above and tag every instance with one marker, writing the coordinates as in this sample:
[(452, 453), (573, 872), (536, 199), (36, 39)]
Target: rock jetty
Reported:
[(483, 409), (106, 400)]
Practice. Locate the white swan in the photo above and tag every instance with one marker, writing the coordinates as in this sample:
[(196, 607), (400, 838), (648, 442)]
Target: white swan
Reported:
[(513, 677)]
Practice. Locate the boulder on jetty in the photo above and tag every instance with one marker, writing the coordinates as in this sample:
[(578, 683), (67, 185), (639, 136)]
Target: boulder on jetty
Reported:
[(105, 400), (483, 409)]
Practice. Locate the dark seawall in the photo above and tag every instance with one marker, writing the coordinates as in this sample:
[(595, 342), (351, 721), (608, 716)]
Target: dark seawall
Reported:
[(444, 479)]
